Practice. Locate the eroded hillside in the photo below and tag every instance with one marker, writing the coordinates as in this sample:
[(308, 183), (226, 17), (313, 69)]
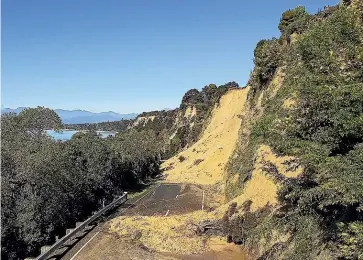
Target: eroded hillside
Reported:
[(204, 162), (183, 234)]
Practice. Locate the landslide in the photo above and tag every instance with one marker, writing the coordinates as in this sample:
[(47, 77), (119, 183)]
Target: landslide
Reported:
[(205, 161), (204, 165)]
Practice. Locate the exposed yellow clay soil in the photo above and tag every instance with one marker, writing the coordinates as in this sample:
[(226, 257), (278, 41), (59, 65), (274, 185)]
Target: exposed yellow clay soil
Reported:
[(262, 189), (143, 120), (206, 159), (166, 234), (220, 250), (190, 112), (281, 162)]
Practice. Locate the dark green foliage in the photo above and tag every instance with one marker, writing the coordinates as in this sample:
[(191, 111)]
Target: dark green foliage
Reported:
[(347, 2), (332, 50), (294, 21), (308, 237), (322, 209), (47, 186), (327, 11), (268, 56), (239, 227), (351, 240), (206, 98), (117, 126), (163, 120), (331, 116), (38, 119), (192, 97)]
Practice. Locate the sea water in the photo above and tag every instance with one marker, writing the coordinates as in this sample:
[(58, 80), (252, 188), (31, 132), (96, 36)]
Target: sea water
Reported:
[(65, 135)]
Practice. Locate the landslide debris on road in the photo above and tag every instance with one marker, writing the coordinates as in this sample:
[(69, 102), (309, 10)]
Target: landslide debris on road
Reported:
[(179, 234), (172, 198)]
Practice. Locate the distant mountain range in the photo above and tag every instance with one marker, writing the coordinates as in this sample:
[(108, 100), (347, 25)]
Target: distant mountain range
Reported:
[(81, 116)]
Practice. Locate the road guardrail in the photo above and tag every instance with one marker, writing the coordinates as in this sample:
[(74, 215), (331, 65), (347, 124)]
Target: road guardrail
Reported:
[(48, 250)]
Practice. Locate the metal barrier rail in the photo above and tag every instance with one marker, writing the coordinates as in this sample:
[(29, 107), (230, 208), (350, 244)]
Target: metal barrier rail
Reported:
[(61, 241)]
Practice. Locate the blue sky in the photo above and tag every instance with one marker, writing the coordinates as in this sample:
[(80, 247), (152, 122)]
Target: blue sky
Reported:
[(129, 55)]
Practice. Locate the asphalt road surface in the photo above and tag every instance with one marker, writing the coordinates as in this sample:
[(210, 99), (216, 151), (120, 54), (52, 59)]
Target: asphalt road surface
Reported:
[(160, 199)]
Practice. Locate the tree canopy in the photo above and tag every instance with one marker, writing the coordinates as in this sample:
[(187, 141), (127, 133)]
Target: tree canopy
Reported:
[(47, 185)]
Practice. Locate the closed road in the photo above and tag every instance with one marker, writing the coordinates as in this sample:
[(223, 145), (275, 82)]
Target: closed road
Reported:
[(163, 199)]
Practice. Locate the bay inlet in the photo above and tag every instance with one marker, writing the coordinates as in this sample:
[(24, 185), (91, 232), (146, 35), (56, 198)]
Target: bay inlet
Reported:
[(65, 135)]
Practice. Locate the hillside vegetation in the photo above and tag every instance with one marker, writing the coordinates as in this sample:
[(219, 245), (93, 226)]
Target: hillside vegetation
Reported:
[(118, 126), (307, 97)]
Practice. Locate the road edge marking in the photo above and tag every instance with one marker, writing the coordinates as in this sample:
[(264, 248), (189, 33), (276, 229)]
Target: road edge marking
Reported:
[(166, 213), (147, 193), (120, 212), (84, 245)]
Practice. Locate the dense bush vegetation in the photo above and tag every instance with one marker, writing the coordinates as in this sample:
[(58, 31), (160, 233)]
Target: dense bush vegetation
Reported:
[(117, 126), (207, 97), (47, 186), (294, 21), (323, 208), (268, 57)]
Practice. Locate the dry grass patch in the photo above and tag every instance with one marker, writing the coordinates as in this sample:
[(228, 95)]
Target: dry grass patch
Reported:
[(142, 120), (166, 234), (277, 81), (289, 103)]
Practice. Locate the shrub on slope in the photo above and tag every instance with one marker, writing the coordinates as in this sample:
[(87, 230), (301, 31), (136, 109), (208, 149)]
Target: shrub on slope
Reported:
[(323, 209)]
